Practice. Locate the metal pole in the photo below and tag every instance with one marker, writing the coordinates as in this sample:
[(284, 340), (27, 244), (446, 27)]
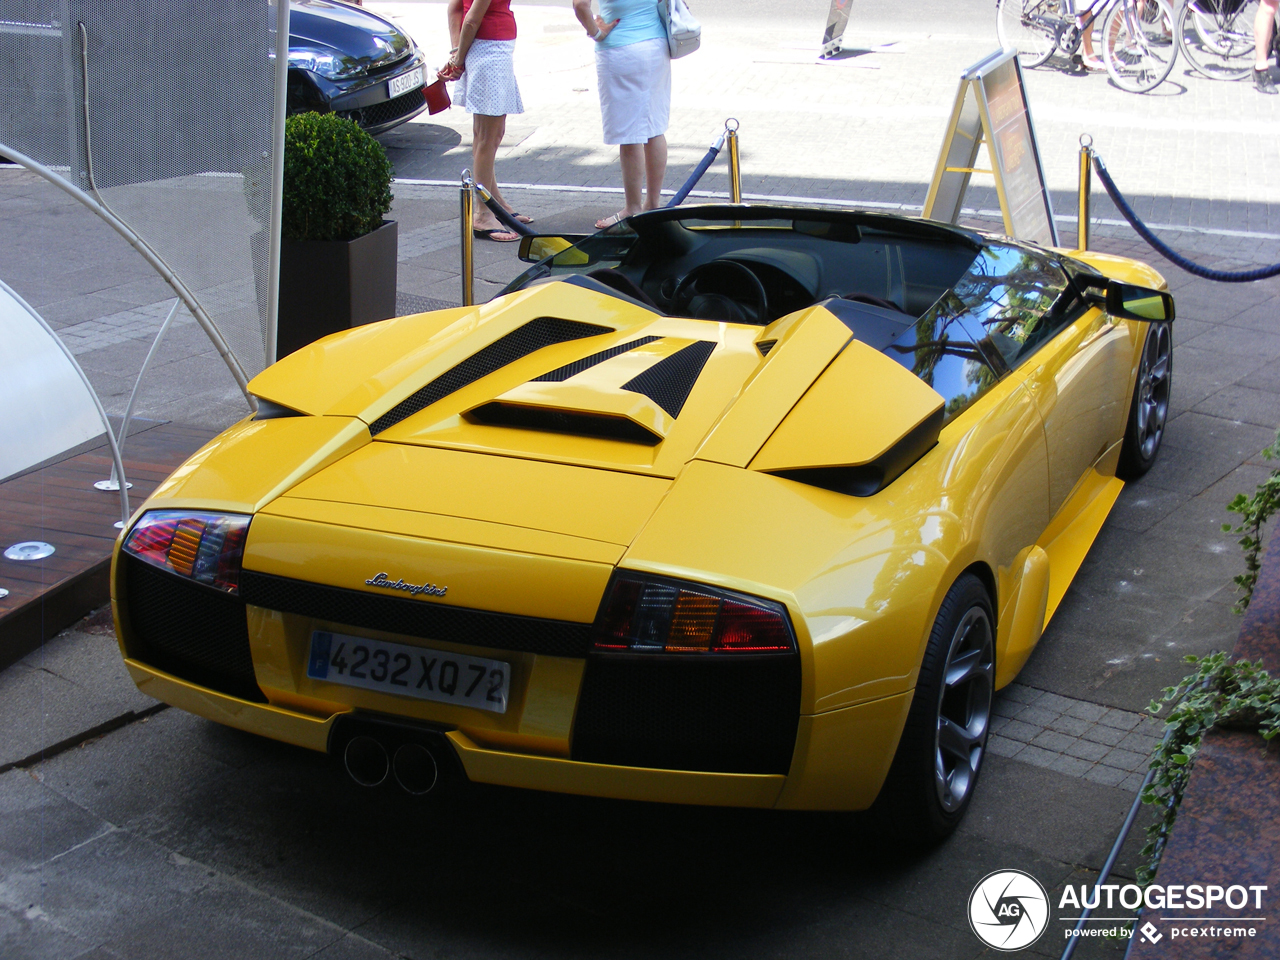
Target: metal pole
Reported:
[(735, 168), (1086, 176), (277, 177), (123, 436), (465, 213)]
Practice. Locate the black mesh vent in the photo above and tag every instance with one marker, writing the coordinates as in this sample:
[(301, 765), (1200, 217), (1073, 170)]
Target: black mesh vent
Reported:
[(521, 342), (668, 382), (720, 714), (389, 111), (194, 632), (563, 421), (561, 374), (416, 618), (764, 346)]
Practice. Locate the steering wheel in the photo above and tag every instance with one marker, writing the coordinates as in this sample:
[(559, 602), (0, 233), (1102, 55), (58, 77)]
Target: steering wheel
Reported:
[(721, 290)]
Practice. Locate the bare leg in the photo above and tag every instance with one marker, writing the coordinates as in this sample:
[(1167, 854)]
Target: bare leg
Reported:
[(655, 168), (1262, 25), (487, 133), (633, 171)]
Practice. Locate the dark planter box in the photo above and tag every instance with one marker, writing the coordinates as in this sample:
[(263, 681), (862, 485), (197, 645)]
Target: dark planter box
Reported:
[(332, 285)]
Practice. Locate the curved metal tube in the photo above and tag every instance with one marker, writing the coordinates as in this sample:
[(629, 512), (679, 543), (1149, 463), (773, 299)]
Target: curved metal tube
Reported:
[(144, 250), (102, 413)]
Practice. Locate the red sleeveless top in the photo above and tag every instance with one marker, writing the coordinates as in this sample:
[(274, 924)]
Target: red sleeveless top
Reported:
[(499, 22)]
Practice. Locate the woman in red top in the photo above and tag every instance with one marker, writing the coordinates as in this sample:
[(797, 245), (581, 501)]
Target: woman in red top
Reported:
[(483, 33)]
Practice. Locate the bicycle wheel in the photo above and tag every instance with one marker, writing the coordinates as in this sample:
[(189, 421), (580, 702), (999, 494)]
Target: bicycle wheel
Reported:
[(1030, 27), (1138, 44), (1216, 37)]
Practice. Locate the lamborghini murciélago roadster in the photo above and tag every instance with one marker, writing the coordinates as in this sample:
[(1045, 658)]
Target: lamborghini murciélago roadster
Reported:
[(740, 505)]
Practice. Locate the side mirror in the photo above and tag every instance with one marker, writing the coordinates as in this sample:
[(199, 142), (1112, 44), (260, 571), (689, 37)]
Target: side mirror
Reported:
[(537, 249), (1132, 302)]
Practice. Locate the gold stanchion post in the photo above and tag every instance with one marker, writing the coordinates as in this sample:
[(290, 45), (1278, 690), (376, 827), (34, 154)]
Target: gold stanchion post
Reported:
[(1086, 175), (465, 213), (735, 167)]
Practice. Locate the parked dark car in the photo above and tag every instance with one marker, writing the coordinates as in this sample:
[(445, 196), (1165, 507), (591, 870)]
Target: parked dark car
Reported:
[(348, 61)]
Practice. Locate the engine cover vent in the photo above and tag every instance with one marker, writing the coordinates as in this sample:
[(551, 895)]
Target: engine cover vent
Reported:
[(573, 422), (669, 382), (560, 374), (533, 336)]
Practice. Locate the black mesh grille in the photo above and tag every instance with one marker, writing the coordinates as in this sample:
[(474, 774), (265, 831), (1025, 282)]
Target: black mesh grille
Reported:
[(193, 632), (416, 618), (720, 714), (560, 374), (764, 346), (520, 342), (390, 110), (564, 421), (668, 382)]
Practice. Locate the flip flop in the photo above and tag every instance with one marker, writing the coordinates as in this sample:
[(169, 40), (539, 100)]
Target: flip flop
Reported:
[(499, 235), (1093, 65), (607, 222), (521, 217)]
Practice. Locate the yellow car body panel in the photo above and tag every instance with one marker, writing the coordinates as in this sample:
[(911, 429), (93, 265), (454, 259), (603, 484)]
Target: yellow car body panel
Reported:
[(534, 524)]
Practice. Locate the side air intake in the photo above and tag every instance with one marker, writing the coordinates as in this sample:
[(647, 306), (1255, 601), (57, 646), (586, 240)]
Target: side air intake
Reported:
[(531, 337), (669, 382)]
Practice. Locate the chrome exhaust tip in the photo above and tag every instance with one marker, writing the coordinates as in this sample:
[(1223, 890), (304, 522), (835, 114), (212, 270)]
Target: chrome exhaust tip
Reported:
[(415, 769), (366, 761)]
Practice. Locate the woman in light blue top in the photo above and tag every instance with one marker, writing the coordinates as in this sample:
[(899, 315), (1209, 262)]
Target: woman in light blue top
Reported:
[(633, 73)]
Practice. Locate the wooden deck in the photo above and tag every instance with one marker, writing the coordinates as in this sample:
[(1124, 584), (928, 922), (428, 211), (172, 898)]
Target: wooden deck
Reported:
[(59, 505)]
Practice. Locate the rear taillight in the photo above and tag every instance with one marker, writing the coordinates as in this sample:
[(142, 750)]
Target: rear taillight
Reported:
[(651, 615), (204, 547)]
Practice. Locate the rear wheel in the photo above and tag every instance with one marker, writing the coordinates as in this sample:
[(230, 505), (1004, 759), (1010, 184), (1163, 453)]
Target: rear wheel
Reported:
[(1216, 37), (1149, 410), (1030, 27), (1138, 44), (944, 741)]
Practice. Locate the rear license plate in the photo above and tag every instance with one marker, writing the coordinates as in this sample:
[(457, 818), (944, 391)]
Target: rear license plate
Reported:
[(405, 82), (409, 671)]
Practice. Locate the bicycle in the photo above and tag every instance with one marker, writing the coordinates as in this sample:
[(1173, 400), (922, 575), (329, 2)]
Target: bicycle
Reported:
[(1137, 36), (1216, 37)]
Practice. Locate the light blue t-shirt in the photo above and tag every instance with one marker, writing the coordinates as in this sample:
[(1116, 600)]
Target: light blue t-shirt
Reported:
[(637, 20)]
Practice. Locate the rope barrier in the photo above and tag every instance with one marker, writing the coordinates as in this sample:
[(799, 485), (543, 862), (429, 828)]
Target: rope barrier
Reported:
[(698, 171), (506, 219), (1223, 276)]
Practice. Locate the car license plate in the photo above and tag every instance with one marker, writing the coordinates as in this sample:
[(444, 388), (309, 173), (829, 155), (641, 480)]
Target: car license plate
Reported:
[(409, 671), (405, 82)]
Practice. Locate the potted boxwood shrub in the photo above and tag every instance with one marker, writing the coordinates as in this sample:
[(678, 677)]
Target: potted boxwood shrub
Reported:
[(337, 253)]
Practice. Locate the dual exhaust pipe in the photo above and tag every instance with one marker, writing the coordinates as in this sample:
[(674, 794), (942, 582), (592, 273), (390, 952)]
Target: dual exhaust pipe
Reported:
[(412, 766)]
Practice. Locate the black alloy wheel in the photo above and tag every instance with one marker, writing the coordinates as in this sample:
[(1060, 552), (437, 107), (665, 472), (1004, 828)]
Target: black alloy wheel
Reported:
[(944, 742), (1149, 410)]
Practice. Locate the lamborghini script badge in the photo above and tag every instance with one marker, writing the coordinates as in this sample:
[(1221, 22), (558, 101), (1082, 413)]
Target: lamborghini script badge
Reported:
[(386, 583)]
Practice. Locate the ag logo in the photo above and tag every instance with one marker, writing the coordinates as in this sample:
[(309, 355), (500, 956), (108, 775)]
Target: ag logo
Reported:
[(1008, 910)]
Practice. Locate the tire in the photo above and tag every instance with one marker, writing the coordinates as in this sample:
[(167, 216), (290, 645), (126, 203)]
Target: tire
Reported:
[(944, 741), (1030, 27), (1149, 408), (1216, 39), (1138, 46)]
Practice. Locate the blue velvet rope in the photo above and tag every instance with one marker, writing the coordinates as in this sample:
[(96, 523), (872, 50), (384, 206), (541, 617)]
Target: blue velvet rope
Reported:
[(694, 177), (505, 218), (1223, 276)]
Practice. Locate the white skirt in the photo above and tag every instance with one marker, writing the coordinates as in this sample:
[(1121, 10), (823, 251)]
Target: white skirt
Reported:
[(488, 85), (635, 90)]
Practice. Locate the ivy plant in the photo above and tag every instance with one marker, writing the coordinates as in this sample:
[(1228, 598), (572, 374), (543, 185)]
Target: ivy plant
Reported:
[(1224, 693), (337, 179), (1254, 512)]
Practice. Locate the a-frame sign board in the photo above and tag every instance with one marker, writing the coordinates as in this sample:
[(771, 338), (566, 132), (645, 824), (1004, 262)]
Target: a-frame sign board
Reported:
[(991, 108)]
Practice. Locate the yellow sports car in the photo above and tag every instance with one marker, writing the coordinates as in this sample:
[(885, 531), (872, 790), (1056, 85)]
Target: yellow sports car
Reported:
[(741, 505)]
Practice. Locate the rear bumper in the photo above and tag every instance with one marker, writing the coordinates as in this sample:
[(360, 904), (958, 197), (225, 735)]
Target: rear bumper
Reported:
[(840, 763)]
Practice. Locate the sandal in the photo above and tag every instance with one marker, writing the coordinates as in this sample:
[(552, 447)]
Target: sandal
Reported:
[(519, 216), (497, 235), (1093, 64), (607, 222)]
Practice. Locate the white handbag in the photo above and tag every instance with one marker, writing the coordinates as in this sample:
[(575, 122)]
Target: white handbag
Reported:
[(684, 32)]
